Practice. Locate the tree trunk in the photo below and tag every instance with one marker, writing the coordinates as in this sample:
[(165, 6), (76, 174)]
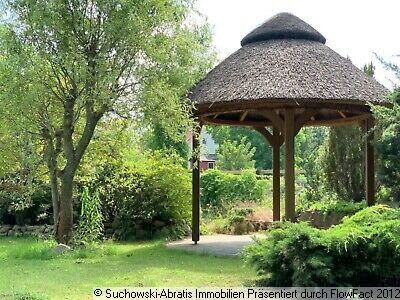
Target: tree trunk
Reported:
[(65, 221), (55, 195)]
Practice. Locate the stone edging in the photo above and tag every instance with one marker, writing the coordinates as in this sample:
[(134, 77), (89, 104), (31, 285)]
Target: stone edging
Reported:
[(25, 230)]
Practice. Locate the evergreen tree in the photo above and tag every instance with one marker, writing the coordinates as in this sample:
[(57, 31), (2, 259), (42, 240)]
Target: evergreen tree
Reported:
[(343, 158)]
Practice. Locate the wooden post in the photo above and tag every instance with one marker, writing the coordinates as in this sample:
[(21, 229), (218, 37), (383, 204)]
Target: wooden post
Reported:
[(289, 165), (276, 176), (196, 184), (369, 163)]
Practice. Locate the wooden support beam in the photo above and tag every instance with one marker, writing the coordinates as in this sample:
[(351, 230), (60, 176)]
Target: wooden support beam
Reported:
[(302, 119), (342, 114), (196, 184), (369, 162), (267, 135), (275, 140), (276, 177), (274, 118), (290, 213), (236, 122), (267, 123), (243, 115)]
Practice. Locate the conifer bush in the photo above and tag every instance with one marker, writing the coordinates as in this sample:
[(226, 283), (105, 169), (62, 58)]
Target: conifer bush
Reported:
[(362, 251)]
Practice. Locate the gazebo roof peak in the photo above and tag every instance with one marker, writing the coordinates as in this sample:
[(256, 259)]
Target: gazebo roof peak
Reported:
[(283, 26)]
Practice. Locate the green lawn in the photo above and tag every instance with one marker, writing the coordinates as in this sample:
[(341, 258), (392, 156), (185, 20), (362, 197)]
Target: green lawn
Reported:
[(28, 266)]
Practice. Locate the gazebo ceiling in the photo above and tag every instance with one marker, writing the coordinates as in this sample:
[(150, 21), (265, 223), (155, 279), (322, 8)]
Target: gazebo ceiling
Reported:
[(285, 63)]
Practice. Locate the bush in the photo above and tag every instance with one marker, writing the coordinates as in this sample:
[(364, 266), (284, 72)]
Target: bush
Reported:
[(140, 198), (90, 226), (219, 188), (330, 204), (24, 204), (362, 251)]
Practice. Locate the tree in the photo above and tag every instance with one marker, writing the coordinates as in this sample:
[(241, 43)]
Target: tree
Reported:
[(369, 69), (234, 155), (68, 64), (263, 150), (309, 143), (159, 139), (343, 158), (342, 162), (388, 145)]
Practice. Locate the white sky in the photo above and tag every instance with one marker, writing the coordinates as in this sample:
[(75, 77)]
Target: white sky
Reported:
[(353, 28)]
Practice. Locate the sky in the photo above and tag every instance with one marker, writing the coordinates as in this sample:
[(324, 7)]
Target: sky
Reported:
[(354, 28)]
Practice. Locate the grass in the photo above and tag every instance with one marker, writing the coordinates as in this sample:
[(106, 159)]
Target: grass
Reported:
[(29, 270)]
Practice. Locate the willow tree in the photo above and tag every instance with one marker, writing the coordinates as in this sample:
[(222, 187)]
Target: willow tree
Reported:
[(66, 64)]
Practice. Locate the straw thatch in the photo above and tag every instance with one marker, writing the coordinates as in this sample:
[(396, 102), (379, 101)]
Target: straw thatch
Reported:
[(285, 58), (283, 26)]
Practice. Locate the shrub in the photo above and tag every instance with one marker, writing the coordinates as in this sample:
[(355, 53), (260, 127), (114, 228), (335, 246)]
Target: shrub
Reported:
[(362, 251), (238, 220), (330, 204), (90, 226), (139, 198), (219, 188), (24, 204)]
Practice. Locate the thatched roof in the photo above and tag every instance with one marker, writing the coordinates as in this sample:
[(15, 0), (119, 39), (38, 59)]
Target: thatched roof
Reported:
[(285, 59), (283, 26)]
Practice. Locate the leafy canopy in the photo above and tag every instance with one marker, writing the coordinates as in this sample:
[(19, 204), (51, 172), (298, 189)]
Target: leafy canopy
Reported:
[(234, 155)]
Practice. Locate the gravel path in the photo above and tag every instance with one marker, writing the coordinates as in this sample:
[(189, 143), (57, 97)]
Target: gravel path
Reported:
[(219, 245)]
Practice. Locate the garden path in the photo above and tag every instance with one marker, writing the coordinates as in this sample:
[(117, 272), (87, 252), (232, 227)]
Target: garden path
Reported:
[(219, 244)]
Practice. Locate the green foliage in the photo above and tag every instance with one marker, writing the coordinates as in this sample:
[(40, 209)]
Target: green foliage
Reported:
[(234, 155), (342, 159), (159, 139), (32, 249), (24, 203), (369, 69), (135, 195), (329, 204), (237, 220), (67, 65), (263, 151), (219, 188), (342, 162), (90, 226), (388, 146), (309, 143), (362, 251)]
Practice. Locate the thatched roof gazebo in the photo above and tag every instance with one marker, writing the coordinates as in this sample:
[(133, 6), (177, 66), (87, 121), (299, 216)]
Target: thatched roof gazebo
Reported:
[(284, 77)]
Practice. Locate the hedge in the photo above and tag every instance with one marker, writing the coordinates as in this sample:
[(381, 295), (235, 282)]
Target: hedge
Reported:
[(218, 187)]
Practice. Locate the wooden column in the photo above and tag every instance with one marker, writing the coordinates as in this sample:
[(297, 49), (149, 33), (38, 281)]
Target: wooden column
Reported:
[(369, 162), (289, 165), (276, 176), (196, 185)]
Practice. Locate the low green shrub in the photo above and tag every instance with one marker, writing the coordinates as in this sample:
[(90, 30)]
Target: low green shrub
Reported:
[(238, 220), (146, 198), (362, 251), (24, 204), (219, 188), (328, 205)]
